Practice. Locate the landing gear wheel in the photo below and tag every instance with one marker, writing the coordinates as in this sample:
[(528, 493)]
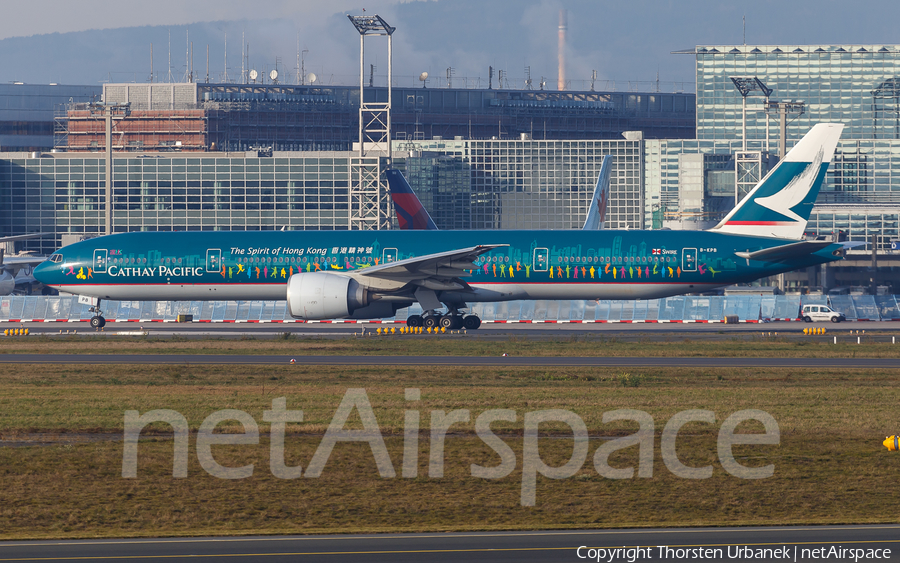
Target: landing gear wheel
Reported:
[(451, 322), (98, 322), (471, 322), (430, 321), (414, 321)]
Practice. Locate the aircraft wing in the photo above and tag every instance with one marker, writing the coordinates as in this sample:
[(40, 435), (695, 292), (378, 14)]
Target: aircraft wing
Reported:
[(787, 251), (435, 271), (23, 237), (22, 260)]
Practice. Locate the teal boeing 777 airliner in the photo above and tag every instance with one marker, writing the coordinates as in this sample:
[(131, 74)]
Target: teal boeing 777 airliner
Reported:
[(372, 274)]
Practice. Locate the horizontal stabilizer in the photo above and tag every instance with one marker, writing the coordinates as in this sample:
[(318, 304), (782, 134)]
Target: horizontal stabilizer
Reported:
[(786, 252)]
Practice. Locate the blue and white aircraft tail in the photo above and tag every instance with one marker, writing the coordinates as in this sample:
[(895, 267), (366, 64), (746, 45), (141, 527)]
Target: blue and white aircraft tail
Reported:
[(780, 204), (596, 217)]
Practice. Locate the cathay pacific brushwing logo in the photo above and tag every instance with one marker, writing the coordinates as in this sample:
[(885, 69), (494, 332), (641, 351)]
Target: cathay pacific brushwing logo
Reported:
[(795, 192)]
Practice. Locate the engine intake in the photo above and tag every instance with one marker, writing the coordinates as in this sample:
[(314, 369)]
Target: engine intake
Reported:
[(320, 295)]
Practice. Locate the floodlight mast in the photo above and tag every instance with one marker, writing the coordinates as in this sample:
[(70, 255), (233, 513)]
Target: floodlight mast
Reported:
[(109, 111), (374, 25), (745, 85)]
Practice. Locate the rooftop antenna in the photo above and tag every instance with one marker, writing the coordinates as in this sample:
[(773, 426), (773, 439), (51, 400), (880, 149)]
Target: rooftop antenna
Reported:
[(371, 75), (299, 65), (303, 67), (207, 63), (151, 63), (593, 79), (528, 78), (243, 54), (450, 70), (490, 77), (187, 56), (192, 61), (500, 79), (563, 26), (744, 21), (169, 74), (225, 76)]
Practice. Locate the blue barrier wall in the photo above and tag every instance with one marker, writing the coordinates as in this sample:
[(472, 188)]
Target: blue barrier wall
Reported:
[(671, 309)]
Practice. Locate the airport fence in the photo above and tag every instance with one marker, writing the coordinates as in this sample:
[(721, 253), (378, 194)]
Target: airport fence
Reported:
[(681, 309)]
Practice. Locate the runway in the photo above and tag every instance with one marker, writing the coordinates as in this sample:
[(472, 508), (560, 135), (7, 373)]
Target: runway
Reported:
[(489, 331), (485, 547), (522, 361)]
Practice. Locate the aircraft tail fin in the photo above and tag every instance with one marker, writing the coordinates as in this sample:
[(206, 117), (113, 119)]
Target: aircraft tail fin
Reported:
[(411, 215), (780, 204), (596, 216)]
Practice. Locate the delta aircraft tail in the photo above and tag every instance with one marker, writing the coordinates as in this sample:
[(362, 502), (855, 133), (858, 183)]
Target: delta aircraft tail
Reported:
[(780, 204), (410, 212), (596, 216)]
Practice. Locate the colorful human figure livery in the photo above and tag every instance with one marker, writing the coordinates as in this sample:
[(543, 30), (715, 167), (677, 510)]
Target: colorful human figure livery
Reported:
[(372, 274)]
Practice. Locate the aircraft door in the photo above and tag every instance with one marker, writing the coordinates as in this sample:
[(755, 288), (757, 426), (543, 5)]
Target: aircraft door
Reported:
[(214, 260), (689, 260), (101, 257), (389, 255), (541, 259)]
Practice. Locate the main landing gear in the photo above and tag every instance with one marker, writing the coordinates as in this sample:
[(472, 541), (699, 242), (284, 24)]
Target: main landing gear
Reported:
[(453, 320), (97, 321)]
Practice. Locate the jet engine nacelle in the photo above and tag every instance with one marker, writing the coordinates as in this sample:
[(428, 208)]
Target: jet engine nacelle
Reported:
[(7, 283), (320, 295)]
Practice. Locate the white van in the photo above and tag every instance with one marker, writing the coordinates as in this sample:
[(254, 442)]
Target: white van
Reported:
[(813, 313)]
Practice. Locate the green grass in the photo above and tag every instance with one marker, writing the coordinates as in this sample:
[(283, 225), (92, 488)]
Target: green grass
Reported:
[(474, 344), (830, 465)]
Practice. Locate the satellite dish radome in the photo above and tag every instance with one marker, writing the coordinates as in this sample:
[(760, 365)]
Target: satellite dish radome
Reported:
[(253, 75), (423, 77), (273, 75), (312, 77)]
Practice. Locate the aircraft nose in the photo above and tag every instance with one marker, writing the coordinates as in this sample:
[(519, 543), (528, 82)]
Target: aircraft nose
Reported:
[(40, 272)]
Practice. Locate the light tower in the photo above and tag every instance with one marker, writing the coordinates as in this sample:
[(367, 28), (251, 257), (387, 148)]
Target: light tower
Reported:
[(109, 112), (745, 85), (748, 165), (369, 204)]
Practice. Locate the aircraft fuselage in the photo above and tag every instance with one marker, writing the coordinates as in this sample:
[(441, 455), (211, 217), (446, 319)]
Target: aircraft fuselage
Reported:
[(535, 265)]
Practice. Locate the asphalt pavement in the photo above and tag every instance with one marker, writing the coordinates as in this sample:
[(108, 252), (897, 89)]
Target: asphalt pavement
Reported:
[(791, 543)]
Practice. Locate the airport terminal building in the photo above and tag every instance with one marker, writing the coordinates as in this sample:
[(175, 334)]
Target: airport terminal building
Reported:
[(533, 172)]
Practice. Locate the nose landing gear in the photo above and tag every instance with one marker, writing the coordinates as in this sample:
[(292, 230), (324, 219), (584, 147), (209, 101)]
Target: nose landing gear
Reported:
[(97, 321)]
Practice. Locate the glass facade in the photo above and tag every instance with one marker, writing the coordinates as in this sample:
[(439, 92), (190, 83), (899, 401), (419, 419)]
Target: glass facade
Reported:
[(64, 193), (524, 184), (856, 85)]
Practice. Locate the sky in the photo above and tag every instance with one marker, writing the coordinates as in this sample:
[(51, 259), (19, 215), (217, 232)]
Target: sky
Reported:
[(627, 44)]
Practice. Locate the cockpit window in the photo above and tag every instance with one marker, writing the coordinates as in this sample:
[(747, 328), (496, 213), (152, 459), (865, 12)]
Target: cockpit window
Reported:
[(56, 258)]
